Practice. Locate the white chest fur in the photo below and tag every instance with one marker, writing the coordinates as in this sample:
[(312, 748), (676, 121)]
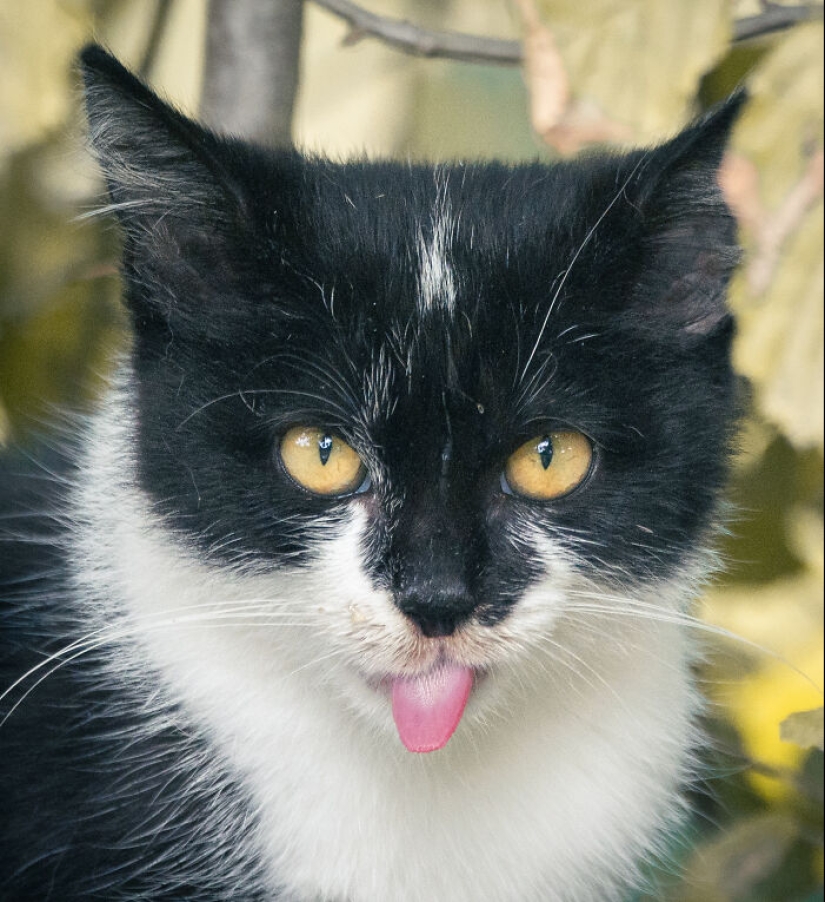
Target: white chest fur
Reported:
[(560, 779)]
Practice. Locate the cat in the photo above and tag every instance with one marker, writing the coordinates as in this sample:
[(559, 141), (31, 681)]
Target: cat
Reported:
[(369, 579)]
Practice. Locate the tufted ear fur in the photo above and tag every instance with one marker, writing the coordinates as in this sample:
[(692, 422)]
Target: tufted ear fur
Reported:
[(688, 245), (157, 162), (187, 200)]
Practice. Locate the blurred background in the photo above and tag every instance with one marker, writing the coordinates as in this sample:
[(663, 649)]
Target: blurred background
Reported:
[(518, 80)]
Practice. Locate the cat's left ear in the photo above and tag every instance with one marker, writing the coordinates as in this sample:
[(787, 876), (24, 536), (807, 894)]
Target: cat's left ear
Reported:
[(688, 249)]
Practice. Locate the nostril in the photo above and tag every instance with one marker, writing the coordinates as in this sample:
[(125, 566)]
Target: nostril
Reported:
[(433, 627), (436, 617)]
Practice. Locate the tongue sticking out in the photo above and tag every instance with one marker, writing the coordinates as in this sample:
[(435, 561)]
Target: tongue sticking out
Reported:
[(427, 708)]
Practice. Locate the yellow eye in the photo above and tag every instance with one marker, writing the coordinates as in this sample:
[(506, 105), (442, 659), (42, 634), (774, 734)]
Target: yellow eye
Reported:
[(321, 462), (549, 465)]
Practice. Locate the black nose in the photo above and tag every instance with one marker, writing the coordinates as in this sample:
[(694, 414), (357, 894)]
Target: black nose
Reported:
[(436, 615)]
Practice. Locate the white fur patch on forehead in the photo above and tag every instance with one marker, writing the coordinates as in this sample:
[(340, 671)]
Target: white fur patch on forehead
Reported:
[(436, 280)]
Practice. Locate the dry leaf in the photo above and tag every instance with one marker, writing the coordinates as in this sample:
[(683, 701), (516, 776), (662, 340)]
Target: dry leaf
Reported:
[(805, 729), (782, 124), (769, 230), (544, 68), (778, 298), (564, 124), (739, 181), (585, 124), (779, 344)]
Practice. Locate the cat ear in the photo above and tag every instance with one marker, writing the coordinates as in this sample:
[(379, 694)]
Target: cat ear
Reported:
[(195, 208), (157, 162), (688, 249)]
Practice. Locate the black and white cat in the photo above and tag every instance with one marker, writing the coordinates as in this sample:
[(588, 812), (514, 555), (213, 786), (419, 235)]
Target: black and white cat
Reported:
[(403, 459)]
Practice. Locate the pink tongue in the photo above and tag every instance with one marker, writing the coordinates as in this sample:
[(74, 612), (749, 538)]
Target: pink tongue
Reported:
[(427, 708)]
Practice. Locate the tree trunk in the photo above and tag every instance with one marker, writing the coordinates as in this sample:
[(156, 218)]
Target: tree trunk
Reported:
[(251, 70)]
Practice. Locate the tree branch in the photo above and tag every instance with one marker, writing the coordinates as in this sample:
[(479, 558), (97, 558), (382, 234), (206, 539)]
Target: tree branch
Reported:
[(774, 18), (159, 22), (418, 41), (251, 69)]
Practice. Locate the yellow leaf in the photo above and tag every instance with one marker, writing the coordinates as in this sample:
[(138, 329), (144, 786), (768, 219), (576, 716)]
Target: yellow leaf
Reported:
[(779, 345), (775, 185), (781, 624), (38, 41), (639, 61), (352, 97)]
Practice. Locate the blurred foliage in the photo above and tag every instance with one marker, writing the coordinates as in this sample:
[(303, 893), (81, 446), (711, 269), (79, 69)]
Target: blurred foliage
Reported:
[(626, 70)]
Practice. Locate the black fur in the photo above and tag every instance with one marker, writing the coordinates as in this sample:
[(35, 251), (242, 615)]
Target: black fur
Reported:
[(267, 289)]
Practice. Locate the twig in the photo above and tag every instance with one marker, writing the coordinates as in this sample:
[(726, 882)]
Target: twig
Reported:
[(774, 18), (418, 41), (150, 53), (454, 45)]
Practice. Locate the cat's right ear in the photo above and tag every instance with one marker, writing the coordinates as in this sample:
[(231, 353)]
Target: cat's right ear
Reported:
[(196, 209), (158, 164)]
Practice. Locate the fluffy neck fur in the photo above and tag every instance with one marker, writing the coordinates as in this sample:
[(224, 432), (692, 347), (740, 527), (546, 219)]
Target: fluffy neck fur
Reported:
[(564, 775)]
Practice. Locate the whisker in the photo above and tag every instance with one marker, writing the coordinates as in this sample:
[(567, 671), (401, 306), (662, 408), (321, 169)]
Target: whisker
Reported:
[(585, 667), (290, 392), (635, 609), (576, 256), (256, 613)]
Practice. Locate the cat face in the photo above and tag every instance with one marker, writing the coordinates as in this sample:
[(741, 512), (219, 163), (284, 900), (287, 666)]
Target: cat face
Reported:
[(460, 394)]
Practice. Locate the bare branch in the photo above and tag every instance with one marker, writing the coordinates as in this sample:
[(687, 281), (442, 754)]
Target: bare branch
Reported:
[(156, 32), (418, 41), (251, 71), (774, 18)]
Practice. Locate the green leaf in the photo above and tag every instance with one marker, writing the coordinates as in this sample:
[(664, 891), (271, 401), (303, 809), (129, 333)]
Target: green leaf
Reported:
[(732, 867), (805, 729)]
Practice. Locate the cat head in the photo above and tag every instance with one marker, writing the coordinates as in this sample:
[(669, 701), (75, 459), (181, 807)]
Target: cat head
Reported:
[(472, 384)]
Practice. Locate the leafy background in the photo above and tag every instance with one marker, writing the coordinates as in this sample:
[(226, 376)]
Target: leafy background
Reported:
[(597, 71)]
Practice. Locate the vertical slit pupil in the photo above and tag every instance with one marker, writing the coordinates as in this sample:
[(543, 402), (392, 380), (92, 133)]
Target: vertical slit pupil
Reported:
[(544, 449), (324, 448)]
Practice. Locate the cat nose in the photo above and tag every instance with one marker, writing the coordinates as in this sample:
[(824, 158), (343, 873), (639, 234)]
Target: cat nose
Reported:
[(438, 615)]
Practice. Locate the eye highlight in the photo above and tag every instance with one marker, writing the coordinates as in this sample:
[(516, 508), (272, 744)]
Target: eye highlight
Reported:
[(321, 462), (548, 466)]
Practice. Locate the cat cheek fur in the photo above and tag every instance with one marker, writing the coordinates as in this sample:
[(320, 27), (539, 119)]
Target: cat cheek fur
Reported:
[(218, 724), (568, 796)]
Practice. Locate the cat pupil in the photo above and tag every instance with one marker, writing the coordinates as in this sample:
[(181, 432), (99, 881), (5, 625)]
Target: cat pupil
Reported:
[(544, 449), (325, 448)]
